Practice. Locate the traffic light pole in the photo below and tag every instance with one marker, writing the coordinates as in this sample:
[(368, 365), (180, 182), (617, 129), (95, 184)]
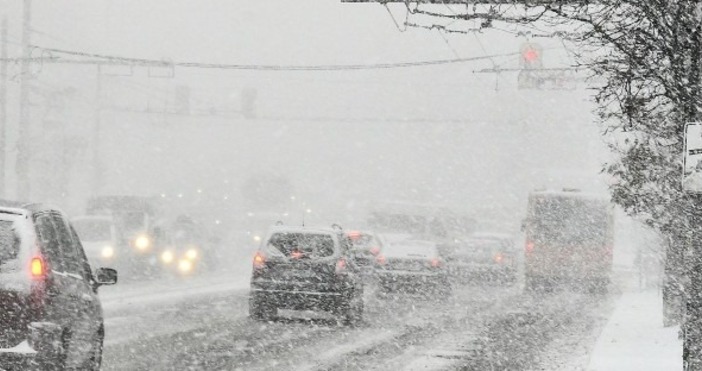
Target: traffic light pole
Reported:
[(22, 163)]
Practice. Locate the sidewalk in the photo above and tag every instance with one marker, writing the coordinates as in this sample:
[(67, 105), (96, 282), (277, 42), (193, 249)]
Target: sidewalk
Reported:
[(635, 339)]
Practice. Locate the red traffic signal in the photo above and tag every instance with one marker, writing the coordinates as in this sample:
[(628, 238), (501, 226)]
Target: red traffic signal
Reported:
[(530, 56)]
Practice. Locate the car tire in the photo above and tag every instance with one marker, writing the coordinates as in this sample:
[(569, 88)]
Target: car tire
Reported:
[(261, 309)]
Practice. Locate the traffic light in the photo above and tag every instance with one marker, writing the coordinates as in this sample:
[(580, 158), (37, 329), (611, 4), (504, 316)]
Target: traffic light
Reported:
[(530, 56)]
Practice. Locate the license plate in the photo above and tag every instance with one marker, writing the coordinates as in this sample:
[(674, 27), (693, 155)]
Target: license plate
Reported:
[(299, 274)]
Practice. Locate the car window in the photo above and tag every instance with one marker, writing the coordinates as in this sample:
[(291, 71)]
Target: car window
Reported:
[(411, 249), (9, 241), (50, 246), (73, 263), (86, 269), (307, 244)]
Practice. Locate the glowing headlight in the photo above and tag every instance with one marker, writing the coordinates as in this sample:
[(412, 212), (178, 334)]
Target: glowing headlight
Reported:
[(185, 266), (142, 243), (257, 238), (167, 257), (191, 254), (108, 252)]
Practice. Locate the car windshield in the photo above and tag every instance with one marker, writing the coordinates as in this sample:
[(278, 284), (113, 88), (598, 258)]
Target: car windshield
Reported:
[(306, 244), (93, 229)]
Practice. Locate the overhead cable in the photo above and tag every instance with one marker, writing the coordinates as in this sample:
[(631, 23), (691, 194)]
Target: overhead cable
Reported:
[(111, 59)]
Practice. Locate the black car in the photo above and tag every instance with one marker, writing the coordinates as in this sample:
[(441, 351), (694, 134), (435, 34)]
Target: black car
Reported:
[(303, 268), (486, 256), (50, 313), (412, 266)]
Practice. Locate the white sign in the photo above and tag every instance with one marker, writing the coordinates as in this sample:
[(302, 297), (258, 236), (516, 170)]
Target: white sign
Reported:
[(692, 160)]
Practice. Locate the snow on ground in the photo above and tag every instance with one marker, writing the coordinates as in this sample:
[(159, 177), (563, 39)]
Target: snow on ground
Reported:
[(635, 339)]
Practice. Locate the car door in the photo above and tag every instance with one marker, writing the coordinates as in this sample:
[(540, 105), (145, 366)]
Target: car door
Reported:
[(60, 306), (87, 315)]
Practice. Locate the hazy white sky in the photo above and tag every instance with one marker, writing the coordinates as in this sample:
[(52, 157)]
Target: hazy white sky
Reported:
[(466, 141)]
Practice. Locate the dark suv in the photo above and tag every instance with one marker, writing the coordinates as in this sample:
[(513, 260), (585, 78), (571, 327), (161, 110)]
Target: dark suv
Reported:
[(305, 268), (50, 314)]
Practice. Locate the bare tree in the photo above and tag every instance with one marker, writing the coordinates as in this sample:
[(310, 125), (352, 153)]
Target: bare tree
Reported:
[(646, 53)]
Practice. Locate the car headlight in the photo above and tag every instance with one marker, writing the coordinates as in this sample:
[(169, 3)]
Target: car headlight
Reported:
[(167, 257), (142, 243), (257, 238), (108, 252), (191, 254), (185, 266)]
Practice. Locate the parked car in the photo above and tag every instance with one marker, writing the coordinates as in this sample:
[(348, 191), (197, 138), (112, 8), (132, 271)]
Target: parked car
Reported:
[(303, 268), (50, 313), (486, 256), (412, 265)]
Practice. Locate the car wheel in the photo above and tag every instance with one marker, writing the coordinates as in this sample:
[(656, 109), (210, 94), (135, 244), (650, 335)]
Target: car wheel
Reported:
[(260, 309)]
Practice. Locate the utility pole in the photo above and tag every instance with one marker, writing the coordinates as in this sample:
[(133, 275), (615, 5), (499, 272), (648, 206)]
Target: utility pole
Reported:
[(692, 293), (97, 163), (3, 102), (22, 165)]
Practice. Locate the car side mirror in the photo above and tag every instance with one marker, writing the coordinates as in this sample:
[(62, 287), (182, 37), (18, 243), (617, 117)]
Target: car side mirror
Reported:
[(105, 276)]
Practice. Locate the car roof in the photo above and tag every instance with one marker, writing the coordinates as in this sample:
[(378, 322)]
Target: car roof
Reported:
[(301, 229), (22, 208)]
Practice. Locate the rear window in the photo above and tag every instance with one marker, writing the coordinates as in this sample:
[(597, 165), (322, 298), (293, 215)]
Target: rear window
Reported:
[(93, 230), (411, 249), (307, 244), (9, 241), (477, 246), (363, 241), (569, 221)]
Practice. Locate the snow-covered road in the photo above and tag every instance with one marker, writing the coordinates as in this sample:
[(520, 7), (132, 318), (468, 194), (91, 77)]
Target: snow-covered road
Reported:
[(202, 324)]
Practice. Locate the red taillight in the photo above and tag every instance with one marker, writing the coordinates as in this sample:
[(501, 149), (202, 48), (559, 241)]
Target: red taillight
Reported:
[(341, 266), (259, 261), (609, 250), (435, 263), (529, 247), (499, 258), (37, 267), (380, 259), (375, 251), (354, 235)]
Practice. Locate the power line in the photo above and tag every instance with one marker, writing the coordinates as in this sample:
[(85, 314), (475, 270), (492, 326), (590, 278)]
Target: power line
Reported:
[(118, 60)]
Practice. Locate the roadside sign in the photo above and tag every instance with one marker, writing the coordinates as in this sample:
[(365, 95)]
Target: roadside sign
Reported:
[(555, 79), (692, 158)]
